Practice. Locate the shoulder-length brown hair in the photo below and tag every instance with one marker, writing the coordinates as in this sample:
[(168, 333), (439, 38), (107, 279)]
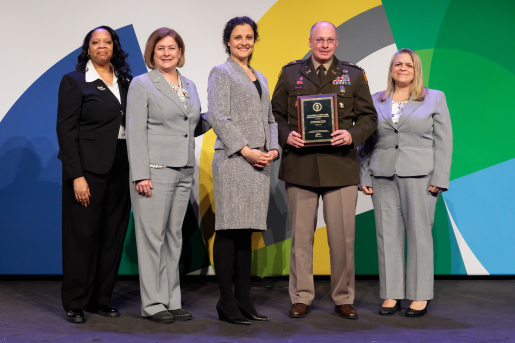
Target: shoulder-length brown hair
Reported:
[(155, 37), (418, 91)]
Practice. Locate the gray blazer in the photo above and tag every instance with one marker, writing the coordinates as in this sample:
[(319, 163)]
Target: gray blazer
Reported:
[(420, 144), (160, 130), (237, 118)]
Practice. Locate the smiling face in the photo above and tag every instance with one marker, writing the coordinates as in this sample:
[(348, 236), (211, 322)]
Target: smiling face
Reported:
[(100, 47), (241, 42), (167, 54), (403, 71), (323, 42)]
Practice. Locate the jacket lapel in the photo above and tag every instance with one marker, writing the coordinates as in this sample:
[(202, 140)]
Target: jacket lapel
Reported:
[(162, 85), (385, 108), (189, 89), (246, 79), (411, 106), (104, 90), (123, 95), (308, 70)]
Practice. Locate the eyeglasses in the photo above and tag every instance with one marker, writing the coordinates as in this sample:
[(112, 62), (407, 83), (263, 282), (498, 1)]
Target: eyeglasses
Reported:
[(329, 41)]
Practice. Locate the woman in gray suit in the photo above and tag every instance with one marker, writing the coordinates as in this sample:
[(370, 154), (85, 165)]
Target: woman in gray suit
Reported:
[(404, 166), (163, 117), (241, 115)]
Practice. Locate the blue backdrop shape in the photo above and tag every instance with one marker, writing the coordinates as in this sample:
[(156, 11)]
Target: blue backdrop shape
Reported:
[(485, 222), (30, 173)]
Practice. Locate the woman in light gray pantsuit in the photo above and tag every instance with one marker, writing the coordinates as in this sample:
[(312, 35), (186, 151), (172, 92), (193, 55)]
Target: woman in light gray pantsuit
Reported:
[(404, 166), (241, 115), (163, 117)]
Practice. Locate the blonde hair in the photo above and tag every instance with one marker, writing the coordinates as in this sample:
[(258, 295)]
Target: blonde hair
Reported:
[(417, 89), (155, 37)]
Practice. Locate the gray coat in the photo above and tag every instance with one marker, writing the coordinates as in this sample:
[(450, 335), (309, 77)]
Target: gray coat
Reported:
[(239, 118), (420, 144), (160, 130)]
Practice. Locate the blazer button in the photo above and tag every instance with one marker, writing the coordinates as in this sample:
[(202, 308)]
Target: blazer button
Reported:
[(396, 147), (396, 131), (185, 118), (185, 135)]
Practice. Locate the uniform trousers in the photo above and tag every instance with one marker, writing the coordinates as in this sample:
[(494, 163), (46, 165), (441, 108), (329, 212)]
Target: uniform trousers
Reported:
[(339, 215), (93, 236), (404, 208), (158, 225)]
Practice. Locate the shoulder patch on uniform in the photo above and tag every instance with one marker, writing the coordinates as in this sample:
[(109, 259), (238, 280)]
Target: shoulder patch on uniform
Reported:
[(351, 64), (294, 62), (365, 75)]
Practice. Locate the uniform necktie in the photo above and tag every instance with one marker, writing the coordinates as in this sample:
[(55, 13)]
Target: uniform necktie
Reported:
[(321, 74)]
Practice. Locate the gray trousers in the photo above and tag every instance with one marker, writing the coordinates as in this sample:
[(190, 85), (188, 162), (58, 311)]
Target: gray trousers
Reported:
[(404, 207), (339, 216), (158, 223)]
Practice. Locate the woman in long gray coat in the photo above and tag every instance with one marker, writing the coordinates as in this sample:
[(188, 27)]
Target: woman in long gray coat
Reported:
[(241, 115)]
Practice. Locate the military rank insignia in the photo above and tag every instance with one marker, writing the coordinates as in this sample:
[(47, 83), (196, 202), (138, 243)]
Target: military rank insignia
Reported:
[(342, 80), (365, 75)]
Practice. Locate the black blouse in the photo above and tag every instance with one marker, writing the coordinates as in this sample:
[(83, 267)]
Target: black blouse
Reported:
[(258, 87)]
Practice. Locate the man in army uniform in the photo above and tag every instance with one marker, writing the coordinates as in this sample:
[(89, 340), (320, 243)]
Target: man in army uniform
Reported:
[(330, 171)]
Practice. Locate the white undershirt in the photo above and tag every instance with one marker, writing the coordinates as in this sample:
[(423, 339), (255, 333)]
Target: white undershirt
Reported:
[(397, 108), (92, 75)]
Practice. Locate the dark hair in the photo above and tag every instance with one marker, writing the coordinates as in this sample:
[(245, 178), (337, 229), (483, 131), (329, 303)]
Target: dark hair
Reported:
[(155, 37), (231, 24), (121, 68)]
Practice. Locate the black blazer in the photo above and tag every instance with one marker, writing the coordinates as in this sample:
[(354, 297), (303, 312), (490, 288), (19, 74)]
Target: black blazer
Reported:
[(88, 121)]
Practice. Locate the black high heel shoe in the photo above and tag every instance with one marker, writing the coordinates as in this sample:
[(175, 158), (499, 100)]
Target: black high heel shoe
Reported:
[(223, 315), (417, 313), (388, 311), (251, 313)]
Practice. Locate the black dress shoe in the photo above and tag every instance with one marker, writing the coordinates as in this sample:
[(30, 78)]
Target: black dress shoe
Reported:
[(75, 316), (103, 310), (388, 311), (181, 314), (417, 313), (234, 318), (249, 312), (163, 317)]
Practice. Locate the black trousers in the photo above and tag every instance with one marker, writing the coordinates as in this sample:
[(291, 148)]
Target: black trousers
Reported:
[(93, 236)]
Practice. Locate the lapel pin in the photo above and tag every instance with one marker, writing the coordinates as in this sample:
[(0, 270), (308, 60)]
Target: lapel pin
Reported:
[(308, 71), (101, 88)]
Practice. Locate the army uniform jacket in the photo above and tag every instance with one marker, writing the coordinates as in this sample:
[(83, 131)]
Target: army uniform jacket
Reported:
[(323, 166)]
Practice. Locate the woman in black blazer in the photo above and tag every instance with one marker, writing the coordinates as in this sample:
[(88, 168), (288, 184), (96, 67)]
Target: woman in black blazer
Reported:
[(96, 202)]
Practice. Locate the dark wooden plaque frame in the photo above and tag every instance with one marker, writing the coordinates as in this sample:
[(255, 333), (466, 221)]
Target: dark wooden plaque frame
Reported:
[(300, 114)]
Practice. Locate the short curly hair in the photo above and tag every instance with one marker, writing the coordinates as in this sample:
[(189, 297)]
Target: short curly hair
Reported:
[(231, 24)]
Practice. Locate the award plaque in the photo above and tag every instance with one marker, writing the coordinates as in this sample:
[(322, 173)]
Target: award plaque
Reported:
[(318, 118)]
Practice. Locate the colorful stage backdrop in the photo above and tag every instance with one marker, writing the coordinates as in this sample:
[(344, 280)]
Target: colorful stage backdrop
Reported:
[(466, 49)]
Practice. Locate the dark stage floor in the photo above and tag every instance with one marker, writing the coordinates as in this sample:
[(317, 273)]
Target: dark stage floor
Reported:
[(463, 311)]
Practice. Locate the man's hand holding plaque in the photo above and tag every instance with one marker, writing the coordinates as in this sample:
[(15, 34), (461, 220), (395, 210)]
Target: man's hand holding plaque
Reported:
[(295, 140), (341, 138)]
